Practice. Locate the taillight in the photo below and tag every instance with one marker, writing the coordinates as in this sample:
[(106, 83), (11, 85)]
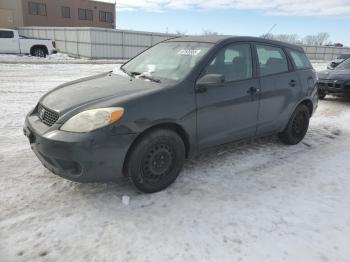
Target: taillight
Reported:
[(54, 44)]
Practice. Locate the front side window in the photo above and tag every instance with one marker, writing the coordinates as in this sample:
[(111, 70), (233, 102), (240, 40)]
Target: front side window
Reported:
[(272, 60), (65, 12), (37, 8), (6, 34), (169, 60), (300, 59), (233, 62), (106, 17), (85, 14)]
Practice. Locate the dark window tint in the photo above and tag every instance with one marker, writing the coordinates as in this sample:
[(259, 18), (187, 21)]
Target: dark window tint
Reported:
[(233, 61), (300, 59), (106, 17), (272, 60), (37, 8), (85, 14), (6, 34), (65, 12)]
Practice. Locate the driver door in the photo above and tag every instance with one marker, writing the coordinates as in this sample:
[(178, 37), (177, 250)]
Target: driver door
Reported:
[(228, 111)]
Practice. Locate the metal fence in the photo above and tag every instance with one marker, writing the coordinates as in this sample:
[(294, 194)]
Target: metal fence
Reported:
[(324, 52), (97, 43)]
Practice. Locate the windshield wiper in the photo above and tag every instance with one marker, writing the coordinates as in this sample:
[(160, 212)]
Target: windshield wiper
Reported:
[(141, 75), (150, 78), (126, 72)]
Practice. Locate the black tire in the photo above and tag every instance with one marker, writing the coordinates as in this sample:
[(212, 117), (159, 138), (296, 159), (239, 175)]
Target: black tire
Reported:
[(297, 126), (321, 94), (156, 160), (39, 52)]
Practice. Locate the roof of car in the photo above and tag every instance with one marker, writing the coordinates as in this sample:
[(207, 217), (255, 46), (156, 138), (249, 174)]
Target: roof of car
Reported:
[(215, 39)]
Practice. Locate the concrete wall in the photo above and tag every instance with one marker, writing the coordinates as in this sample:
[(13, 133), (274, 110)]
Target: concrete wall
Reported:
[(324, 52), (97, 43), (11, 13)]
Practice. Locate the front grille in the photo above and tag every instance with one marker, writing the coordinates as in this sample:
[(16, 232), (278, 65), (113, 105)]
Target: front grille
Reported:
[(47, 116)]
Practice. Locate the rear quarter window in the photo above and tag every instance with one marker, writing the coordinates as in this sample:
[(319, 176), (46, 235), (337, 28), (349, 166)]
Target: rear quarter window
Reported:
[(300, 59), (6, 34)]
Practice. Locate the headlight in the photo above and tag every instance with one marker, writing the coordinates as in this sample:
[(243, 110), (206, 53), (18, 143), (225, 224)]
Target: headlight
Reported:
[(93, 119)]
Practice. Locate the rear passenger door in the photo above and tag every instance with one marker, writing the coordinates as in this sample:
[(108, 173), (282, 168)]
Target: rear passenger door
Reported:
[(280, 88), (8, 42), (306, 73)]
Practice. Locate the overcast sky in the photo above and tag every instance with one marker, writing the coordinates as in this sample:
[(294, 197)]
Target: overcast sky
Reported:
[(238, 17)]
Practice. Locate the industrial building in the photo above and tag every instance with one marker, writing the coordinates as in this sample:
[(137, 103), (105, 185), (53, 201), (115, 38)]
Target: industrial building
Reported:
[(56, 13)]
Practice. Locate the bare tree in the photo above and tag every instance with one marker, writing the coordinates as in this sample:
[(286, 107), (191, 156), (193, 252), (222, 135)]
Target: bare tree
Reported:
[(322, 38), (319, 39), (179, 32), (209, 32)]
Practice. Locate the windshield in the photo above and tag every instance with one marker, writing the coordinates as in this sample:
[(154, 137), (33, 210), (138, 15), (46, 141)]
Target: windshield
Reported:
[(344, 56), (345, 64), (170, 60)]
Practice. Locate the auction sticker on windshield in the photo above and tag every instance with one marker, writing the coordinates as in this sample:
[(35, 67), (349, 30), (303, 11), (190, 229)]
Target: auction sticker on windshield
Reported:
[(189, 52)]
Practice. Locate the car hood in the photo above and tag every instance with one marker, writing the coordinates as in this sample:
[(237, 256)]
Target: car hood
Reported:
[(337, 74), (95, 89)]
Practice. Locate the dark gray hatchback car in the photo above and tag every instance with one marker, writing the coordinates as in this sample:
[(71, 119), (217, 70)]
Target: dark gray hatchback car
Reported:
[(168, 103)]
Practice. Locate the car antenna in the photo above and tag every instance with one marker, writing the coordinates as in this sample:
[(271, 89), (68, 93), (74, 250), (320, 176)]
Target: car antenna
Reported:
[(268, 32)]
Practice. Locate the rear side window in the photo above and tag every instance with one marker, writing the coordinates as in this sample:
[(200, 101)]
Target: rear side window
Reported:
[(272, 60), (233, 61), (300, 60), (6, 34)]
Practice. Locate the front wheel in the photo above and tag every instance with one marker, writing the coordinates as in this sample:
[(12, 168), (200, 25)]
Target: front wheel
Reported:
[(156, 160), (297, 126)]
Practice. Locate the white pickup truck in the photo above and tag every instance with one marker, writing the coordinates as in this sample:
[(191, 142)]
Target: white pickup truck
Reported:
[(12, 43)]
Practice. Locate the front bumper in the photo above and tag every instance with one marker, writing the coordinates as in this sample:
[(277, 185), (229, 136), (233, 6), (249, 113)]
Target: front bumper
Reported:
[(334, 86), (88, 157)]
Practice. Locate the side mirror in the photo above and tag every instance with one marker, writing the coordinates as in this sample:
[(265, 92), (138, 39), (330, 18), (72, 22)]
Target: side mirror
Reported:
[(211, 79)]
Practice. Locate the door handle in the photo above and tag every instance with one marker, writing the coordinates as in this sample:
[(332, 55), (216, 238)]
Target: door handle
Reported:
[(201, 89), (292, 83), (253, 90)]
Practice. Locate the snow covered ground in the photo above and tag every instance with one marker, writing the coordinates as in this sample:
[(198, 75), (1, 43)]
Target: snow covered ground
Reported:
[(251, 201), (58, 58)]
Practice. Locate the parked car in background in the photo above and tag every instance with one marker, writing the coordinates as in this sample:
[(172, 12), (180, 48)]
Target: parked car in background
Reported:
[(172, 101), (339, 59), (335, 81), (12, 43)]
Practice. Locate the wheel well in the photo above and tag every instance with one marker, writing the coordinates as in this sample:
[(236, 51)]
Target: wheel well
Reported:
[(38, 46), (308, 103), (170, 126)]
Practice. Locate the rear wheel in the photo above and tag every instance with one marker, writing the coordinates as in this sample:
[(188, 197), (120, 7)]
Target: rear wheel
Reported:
[(39, 52), (156, 160), (297, 126)]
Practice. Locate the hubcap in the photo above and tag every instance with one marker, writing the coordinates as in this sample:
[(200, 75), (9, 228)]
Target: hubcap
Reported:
[(157, 162), (299, 124), (40, 53)]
